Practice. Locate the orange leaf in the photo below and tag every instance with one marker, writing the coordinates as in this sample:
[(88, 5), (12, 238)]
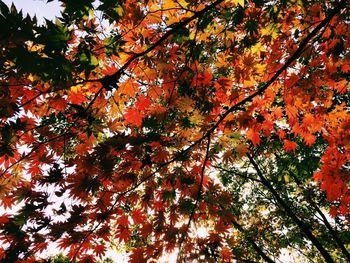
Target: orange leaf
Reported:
[(253, 136), (133, 117), (309, 139), (226, 254), (289, 146), (143, 103)]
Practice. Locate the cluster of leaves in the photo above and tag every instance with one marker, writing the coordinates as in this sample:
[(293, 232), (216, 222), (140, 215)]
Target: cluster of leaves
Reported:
[(284, 179), (60, 258), (134, 123)]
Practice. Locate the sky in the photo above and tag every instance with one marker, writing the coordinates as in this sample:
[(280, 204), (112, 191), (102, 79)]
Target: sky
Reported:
[(40, 8)]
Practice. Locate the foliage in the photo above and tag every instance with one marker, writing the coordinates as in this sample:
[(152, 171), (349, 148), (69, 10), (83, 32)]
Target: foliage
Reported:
[(262, 213), (60, 259), (136, 123)]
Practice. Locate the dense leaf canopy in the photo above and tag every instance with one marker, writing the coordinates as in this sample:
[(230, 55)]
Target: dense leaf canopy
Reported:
[(216, 130)]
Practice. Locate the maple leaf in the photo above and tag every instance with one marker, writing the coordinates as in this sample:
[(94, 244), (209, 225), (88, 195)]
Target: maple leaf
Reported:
[(343, 210), (161, 156), (77, 98), (253, 136), (133, 117), (226, 254), (342, 86), (289, 146), (309, 139), (333, 211), (221, 227), (123, 220), (123, 182), (136, 129), (100, 250), (41, 247), (292, 113), (345, 67), (7, 202), (146, 229), (4, 219), (137, 255), (2, 253), (123, 234), (143, 103), (138, 216)]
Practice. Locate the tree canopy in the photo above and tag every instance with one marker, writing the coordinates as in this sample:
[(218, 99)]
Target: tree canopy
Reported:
[(216, 130)]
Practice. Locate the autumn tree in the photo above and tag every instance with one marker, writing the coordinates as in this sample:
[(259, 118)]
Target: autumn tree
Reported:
[(216, 130)]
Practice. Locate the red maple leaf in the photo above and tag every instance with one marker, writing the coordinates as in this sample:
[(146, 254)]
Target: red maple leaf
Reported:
[(100, 250), (123, 233), (138, 216), (143, 103), (133, 117), (4, 219), (289, 146), (137, 255), (123, 220)]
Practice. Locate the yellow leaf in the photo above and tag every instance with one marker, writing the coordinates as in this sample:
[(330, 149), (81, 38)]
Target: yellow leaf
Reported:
[(192, 35), (260, 68), (257, 48), (236, 2), (196, 118), (169, 4), (119, 11), (249, 82), (31, 77), (76, 89), (286, 178), (122, 57), (183, 3), (37, 48), (240, 2), (270, 30)]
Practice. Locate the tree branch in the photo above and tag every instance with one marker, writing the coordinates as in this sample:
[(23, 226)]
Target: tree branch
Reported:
[(324, 219), (290, 213), (249, 239), (339, 6), (236, 173)]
